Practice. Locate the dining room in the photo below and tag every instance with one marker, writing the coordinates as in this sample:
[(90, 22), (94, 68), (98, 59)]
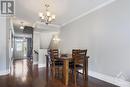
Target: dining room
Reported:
[(71, 43)]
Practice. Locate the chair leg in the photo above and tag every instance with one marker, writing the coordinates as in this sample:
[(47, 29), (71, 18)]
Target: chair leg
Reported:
[(75, 74), (72, 72), (53, 71), (83, 73), (50, 68), (86, 70)]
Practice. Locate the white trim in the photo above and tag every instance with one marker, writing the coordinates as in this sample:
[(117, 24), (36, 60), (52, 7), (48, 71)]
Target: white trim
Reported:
[(12, 27), (88, 12), (110, 79), (41, 65), (5, 72), (51, 25), (34, 63)]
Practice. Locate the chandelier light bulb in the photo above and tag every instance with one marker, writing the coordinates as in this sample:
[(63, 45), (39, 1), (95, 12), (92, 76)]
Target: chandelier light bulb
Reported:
[(22, 26), (50, 19), (43, 17), (56, 39), (40, 14), (53, 16), (48, 13)]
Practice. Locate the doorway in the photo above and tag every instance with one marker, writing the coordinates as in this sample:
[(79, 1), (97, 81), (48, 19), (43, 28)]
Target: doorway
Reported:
[(20, 51), (23, 43)]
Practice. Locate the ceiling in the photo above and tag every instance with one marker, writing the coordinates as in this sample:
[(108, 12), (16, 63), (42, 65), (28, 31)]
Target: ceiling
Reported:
[(65, 10)]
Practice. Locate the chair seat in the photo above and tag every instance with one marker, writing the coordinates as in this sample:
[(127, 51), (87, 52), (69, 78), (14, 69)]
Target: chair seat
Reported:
[(78, 66), (58, 63)]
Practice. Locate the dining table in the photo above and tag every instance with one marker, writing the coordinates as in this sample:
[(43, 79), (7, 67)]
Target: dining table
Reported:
[(66, 58)]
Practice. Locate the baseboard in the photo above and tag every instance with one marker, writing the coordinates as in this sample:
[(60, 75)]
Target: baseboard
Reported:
[(6, 72), (109, 79), (41, 65), (34, 63)]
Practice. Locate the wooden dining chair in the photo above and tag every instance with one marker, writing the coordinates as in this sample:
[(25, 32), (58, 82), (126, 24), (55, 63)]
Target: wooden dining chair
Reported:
[(74, 52), (56, 63), (71, 63), (80, 63)]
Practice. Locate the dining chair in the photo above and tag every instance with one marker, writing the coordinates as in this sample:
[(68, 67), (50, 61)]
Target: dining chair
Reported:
[(56, 63), (80, 63), (74, 52)]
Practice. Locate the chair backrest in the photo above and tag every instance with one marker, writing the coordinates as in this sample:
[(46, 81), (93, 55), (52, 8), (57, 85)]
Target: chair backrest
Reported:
[(75, 52), (54, 53), (82, 53), (80, 57)]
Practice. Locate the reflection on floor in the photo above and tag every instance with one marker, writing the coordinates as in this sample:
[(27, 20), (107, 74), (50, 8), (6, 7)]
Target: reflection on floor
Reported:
[(24, 74)]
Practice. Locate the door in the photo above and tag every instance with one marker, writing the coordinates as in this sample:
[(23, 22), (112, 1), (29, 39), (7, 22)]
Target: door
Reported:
[(20, 51)]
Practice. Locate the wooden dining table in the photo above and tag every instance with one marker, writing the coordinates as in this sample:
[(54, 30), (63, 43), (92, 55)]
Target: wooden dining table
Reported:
[(66, 59)]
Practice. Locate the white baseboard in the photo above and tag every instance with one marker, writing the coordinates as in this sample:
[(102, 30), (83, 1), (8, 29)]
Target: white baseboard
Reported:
[(41, 65), (109, 79), (34, 63), (6, 72)]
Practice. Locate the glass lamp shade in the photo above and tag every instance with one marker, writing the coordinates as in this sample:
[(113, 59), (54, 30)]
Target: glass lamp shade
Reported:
[(40, 14), (43, 17), (48, 13), (53, 16), (22, 27), (50, 19), (56, 39)]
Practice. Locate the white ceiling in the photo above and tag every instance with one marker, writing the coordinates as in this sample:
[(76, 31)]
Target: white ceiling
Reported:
[(65, 10)]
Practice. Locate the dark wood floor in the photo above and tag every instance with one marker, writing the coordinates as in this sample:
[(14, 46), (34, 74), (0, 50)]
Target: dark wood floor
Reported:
[(24, 74)]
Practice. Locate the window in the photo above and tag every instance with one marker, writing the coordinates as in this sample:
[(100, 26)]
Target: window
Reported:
[(19, 46)]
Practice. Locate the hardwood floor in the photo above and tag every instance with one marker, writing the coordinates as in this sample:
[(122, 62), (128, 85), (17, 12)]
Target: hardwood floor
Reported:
[(24, 74)]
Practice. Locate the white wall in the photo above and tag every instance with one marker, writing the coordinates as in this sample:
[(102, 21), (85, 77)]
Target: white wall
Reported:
[(36, 46), (106, 35), (45, 39), (8, 57), (55, 41), (4, 50), (41, 42), (3, 44), (36, 40), (42, 58)]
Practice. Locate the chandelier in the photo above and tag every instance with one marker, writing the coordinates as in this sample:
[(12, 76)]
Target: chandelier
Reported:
[(47, 17)]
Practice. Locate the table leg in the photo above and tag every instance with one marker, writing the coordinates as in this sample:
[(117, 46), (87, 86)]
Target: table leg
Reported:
[(66, 72), (47, 61), (86, 69)]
